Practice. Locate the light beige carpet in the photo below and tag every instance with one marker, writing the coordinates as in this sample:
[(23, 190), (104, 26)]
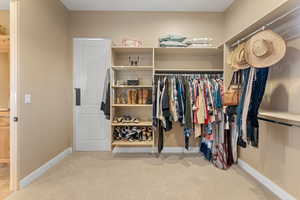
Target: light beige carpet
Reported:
[(104, 176), (4, 181)]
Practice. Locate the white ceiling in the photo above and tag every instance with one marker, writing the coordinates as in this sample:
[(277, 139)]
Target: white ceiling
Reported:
[(142, 5), (149, 5)]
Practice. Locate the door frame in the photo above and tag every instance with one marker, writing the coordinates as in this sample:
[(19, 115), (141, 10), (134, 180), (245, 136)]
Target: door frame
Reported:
[(74, 86), (15, 56)]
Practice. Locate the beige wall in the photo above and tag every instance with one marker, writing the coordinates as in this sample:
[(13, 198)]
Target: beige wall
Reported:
[(45, 126), (243, 13), (4, 19), (145, 25)]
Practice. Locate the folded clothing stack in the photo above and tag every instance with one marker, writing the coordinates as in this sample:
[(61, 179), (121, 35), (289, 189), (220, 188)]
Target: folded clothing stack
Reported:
[(177, 40), (172, 40), (199, 42)]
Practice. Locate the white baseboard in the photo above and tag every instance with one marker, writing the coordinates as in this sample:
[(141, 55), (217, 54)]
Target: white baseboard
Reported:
[(154, 150), (41, 170), (278, 191)]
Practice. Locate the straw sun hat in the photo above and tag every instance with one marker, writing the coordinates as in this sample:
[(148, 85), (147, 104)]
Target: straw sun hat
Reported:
[(264, 49), (238, 58)]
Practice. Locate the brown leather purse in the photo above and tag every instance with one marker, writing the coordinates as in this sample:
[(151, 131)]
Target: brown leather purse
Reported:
[(232, 96)]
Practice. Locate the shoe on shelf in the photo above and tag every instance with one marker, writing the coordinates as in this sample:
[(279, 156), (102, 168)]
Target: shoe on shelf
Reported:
[(144, 134), (127, 119), (129, 96), (134, 95), (150, 133), (140, 96), (135, 120), (145, 95), (115, 120)]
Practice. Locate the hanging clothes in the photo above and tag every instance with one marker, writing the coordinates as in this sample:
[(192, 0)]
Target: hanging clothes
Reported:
[(105, 102), (231, 126), (258, 91), (188, 126), (166, 114), (245, 74), (173, 99), (199, 108), (247, 100), (194, 102)]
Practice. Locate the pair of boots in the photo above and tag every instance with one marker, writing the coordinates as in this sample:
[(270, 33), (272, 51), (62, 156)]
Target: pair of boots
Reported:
[(143, 96), (132, 96), (138, 96)]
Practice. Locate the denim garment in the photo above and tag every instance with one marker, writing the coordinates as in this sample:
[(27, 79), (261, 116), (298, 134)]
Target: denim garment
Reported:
[(258, 91), (240, 107), (206, 148), (247, 101), (218, 98), (180, 101)]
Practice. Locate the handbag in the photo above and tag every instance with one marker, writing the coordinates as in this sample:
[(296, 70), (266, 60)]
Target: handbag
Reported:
[(232, 96)]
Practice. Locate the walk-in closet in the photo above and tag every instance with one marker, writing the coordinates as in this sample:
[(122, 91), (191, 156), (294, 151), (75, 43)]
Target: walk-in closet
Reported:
[(154, 100)]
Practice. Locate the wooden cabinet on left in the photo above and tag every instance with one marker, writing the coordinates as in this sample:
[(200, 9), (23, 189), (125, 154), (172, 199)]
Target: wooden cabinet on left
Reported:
[(4, 138)]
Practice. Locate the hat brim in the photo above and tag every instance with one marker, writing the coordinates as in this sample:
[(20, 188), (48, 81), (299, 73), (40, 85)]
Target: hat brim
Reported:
[(278, 52)]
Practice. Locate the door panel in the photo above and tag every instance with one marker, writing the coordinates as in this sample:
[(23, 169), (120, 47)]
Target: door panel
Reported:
[(92, 58)]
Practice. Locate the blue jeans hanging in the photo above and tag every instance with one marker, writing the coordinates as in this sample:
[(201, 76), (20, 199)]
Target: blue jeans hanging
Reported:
[(258, 91), (240, 107)]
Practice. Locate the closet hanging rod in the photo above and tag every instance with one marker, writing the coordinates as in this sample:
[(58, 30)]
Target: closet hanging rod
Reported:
[(188, 72), (265, 26), (215, 74), (278, 122)]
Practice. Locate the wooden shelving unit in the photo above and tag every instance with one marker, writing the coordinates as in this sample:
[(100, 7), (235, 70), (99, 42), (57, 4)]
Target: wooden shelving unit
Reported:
[(134, 143), (133, 124), (188, 51), (195, 69), (132, 105), (144, 73), (154, 60), (133, 68), (132, 86), (284, 117)]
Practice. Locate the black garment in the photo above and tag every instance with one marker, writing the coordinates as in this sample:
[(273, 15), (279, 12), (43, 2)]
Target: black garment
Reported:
[(160, 137), (258, 91), (105, 106), (228, 148), (154, 108), (166, 106), (188, 115), (188, 106)]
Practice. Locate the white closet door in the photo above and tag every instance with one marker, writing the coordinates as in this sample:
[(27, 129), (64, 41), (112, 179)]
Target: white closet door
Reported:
[(91, 59)]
